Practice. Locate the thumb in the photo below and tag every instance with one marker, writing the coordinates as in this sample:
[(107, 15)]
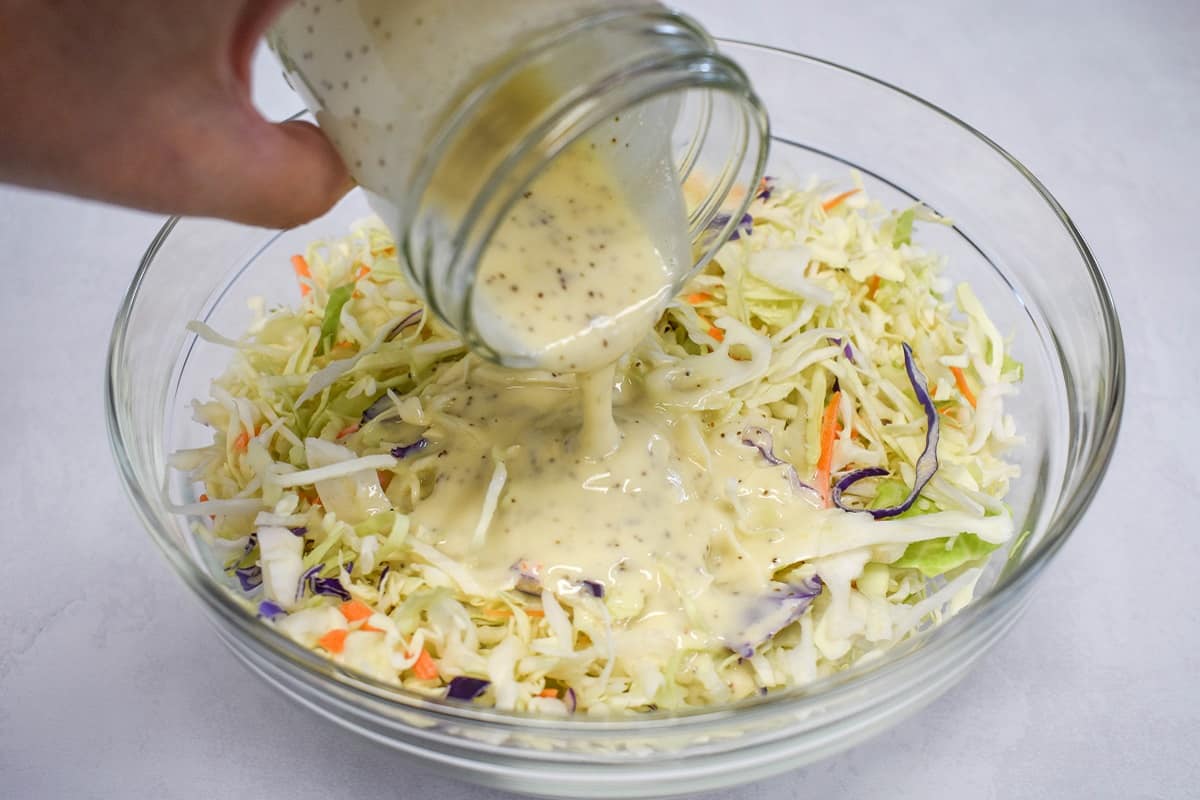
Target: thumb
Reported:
[(276, 175)]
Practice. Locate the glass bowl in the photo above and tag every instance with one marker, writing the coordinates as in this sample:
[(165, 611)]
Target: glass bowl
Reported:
[(1011, 240)]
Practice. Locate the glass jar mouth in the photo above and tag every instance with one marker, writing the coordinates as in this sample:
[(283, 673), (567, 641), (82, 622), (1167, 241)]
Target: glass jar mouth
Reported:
[(720, 159)]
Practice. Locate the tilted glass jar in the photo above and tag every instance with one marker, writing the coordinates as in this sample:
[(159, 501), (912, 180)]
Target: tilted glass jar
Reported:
[(446, 111)]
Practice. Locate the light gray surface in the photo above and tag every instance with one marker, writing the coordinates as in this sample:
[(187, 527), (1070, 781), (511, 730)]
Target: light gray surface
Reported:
[(112, 685)]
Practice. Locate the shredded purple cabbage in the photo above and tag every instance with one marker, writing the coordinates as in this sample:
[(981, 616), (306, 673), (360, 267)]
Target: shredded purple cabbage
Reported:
[(596, 588), (464, 688), (270, 609), (762, 441), (768, 187), (382, 404), (383, 575), (847, 350), (309, 575), (300, 531), (529, 577), (848, 480), (785, 604), (571, 701), (405, 449), (251, 543), (330, 587), (249, 577), (927, 463), (745, 225), (407, 322)]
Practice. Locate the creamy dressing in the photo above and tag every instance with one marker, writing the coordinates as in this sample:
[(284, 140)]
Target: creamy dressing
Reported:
[(572, 279), (653, 520)]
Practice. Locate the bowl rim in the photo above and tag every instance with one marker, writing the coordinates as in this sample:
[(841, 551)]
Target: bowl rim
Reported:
[(792, 700)]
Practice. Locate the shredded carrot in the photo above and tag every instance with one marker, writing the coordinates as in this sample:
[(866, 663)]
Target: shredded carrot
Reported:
[(355, 610), (425, 669), (334, 641), (384, 478), (548, 693), (716, 333), (369, 628), (696, 298), (872, 287), (358, 295), (241, 442), (300, 267), (963, 386), (204, 499), (829, 429), (363, 271), (834, 202), (346, 431), (505, 613)]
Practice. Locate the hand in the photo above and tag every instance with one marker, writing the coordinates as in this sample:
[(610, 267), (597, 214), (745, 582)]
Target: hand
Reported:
[(146, 103)]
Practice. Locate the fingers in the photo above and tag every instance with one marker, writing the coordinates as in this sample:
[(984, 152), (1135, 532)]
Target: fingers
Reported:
[(155, 113)]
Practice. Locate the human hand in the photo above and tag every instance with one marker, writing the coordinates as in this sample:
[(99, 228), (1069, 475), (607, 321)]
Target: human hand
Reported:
[(146, 103)]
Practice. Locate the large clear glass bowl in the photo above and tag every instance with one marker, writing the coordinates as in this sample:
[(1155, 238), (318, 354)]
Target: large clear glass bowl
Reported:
[(1011, 240)]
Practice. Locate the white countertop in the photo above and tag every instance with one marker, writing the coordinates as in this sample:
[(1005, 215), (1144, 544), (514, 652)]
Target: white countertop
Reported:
[(113, 685)]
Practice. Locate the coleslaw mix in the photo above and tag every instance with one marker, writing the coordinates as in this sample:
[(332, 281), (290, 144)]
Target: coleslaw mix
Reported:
[(848, 417)]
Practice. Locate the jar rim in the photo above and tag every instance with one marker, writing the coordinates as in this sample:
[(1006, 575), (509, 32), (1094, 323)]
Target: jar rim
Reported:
[(446, 279)]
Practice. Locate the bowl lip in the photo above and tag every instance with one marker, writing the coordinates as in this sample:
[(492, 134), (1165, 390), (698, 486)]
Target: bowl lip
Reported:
[(794, 700)]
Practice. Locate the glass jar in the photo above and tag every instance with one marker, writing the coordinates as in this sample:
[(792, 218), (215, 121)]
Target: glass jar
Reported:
[(447, 111)]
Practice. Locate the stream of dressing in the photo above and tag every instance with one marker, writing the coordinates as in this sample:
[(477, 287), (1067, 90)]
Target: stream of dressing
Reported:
[(653, 521)]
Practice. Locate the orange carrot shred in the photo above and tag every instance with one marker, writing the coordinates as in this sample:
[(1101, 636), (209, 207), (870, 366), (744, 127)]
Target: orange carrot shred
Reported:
[(497, 613), (203, 498), (961, 379), (369, 628), (241, 442), (334, 641), (872, 287), (548, 693), (834, 202), (425, 669), (829, 429), (716, 333), (300, 267), (535, 612), (355, 610), (696, 298), (363, 271), (346, 431), (384, 478)]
